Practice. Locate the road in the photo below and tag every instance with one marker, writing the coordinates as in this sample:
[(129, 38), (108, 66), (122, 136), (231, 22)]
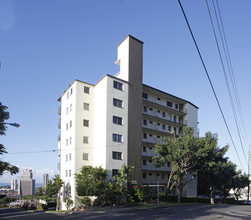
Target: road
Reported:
[(197, 212)]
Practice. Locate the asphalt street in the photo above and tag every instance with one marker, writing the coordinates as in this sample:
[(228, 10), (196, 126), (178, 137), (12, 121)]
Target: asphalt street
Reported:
[(198, 212)]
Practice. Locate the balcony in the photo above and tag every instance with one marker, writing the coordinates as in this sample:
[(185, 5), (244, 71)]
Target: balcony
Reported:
[(59, 110), (59, 124), (160, 106), (153, 168)]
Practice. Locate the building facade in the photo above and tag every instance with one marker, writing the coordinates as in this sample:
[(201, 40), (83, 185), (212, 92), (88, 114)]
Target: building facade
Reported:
[(13, 185), (26, 185), (45, 180), (118, 121)]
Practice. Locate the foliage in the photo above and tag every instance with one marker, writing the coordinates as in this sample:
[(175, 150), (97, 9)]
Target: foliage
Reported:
[(186, 154), (86, 201), (5, 166), (53, 186), (69, 202), (240, 181), (5, 201), (142, 193), (91, 181), (52, 189), (40, 191), (219, 175)]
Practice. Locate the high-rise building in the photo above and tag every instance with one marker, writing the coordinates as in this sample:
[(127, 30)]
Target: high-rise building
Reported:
[(118, 121), (45, 180), (26, 185), (13, 184)]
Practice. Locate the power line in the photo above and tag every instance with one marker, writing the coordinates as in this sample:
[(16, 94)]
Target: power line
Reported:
[(209, 79), (225, 75)]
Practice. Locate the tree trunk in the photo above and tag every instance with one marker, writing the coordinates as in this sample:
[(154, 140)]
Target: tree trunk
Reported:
[(179, 194), (212, 197)]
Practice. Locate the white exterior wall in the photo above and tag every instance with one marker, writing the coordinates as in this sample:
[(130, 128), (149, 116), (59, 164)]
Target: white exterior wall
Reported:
[(100, 124), (114, 128), (192, 118)]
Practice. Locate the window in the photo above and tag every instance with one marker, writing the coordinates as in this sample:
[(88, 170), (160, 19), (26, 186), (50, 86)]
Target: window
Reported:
[(144, 149), (117, 103), (117, 85), (85, 140), (150, 174), (66, 126), (66, 159), (157, 174), (66, 142), (70, 123), (71, 91), (86, 106), (163, 176), (85, 156), (164, 127), (144, 162), (150, 135), (174, 118), (116, 155), (144, 109), (145, 95), (69, 156), (168, 164), (86, 90), (158, 99), (70, 140), (169, 104), (117, 120), (117, 137), (150, 148), (150, 122), (150, 109), (158, 111), (70, 107), (66, 173), (150, 161), (169, 128), (67, 110), (144, 122), (86, 123), (158, 136), (145, 136), (67, 95), (176, 106), (69, 173), (115, 172), (163, 114), (158, 124), (144, 175)]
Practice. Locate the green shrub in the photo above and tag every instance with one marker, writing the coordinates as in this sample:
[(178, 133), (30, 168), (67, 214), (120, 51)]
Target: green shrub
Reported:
[(86, 201)]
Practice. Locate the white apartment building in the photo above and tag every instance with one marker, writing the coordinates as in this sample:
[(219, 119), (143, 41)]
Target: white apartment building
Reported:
[(119, 120)]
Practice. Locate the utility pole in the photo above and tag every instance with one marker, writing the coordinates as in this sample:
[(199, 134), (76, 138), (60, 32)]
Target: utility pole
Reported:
[(248, 174)]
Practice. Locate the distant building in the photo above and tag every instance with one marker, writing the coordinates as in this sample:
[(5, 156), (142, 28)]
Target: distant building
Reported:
[(26, 185), (13, 184), (45, 180)]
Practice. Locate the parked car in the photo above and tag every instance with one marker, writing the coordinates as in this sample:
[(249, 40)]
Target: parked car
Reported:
[(247, 202)]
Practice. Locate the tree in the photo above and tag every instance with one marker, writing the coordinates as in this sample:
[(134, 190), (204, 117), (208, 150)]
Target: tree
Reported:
[(91, 181), (5, 166), (185, 153), (53, 188), (40, 191), (240, 181), (219, 175)]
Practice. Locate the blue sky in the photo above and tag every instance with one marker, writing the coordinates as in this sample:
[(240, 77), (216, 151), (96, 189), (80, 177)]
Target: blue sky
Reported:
[(45, 45)]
